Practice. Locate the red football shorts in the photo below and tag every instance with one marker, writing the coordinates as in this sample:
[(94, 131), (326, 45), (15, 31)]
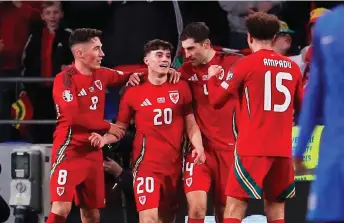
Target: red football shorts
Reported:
[(271, 178), (80, 178), (215, 168), (156, 190)]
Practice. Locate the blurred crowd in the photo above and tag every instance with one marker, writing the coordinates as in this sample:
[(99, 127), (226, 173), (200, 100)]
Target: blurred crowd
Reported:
[(34, 43)]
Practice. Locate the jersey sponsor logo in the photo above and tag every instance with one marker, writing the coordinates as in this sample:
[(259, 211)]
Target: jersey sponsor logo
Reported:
[(91, 89), (142, 200), (188, 181), (67, 96), (98, 84), (174, 96), (146, 102), (60, 191), (161, 100), (82, 93), (193, 78)]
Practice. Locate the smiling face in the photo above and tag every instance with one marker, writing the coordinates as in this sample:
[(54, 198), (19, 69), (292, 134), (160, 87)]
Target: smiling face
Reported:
[(158, 61), (52, 14), (90, 53)]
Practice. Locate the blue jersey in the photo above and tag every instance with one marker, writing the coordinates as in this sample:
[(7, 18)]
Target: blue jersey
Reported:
[(325, 97)]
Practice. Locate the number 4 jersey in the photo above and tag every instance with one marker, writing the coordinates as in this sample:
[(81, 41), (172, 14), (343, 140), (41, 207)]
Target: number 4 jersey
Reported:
[(270, 88), (159, 112)]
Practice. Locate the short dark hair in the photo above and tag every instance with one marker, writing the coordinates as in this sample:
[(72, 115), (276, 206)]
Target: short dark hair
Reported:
[(262, 26), (83, 35), (47, 4), (157, 44), (198, 31)]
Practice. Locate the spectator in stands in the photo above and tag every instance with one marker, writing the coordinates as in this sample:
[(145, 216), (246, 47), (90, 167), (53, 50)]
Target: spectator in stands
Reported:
[(236, 14), (46, 54), (283, 39), (15, 21)]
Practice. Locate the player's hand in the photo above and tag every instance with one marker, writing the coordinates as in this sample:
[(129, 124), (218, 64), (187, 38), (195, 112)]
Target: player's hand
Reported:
[(215, 70), (96, 140), (300, 168), (174, 75), (198, 154), (117, 131), (134, 79), (112, 167)]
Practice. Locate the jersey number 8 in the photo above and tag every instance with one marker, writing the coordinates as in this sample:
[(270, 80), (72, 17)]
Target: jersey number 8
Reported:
[(94, 101), (280, 87)]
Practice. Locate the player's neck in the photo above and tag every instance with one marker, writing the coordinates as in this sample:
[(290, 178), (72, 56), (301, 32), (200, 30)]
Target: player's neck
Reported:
[(209, 55), (82, 68), (261, 45), (157, 79)]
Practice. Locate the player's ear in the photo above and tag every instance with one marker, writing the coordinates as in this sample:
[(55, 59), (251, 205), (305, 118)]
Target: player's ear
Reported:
[(145, 60), (207, 43)]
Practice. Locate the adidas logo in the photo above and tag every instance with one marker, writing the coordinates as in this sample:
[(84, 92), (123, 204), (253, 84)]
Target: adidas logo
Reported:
[(82, 93), (146, 102), (193, 78)]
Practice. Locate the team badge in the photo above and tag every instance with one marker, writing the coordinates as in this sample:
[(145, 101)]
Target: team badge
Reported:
[(98, 84), (188, 181), (60, 191), (67, 96), (142, 200), (174, 96)]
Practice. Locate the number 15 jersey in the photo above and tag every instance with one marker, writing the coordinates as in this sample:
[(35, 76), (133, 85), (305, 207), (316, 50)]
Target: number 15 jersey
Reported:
[(270, 88), (159, 112)]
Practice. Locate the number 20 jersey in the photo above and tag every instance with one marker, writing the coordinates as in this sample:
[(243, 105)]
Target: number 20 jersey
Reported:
[(270, 88), (158, 112)]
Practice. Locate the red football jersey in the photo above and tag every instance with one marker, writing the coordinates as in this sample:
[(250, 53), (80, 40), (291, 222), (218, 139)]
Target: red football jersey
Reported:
[(80, 102), (159, 112), (218, 127), (270, 87)]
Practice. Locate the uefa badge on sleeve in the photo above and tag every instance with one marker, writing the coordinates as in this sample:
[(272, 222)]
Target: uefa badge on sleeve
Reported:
[(229, 76), (67, 96)]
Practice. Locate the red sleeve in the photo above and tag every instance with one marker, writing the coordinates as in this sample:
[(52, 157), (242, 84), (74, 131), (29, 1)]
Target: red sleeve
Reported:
[(187, 98), (115, 77), (65, 98), (126, 110), (298, 92), (183, 70), (220, 91)]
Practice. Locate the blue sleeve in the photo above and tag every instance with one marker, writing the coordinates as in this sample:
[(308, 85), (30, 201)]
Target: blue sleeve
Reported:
[(313, 100)]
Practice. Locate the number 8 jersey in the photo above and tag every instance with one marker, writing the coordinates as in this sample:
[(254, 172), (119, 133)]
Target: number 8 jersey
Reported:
[(270, 89), (159, 112)]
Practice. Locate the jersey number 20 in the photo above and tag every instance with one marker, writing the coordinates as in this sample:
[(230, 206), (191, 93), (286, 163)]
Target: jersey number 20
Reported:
[(162, 116), (268, 104)]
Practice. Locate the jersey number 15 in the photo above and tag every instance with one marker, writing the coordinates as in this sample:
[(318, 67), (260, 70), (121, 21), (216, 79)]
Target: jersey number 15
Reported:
[(268, 104)]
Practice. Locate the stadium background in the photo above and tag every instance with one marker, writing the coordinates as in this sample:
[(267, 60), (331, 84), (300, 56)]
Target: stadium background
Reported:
[(126, 26)]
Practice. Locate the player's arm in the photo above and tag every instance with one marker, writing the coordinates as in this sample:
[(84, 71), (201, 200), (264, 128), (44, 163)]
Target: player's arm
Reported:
[(192, 129), (219, 92), (125, 114), (117, 77), (313, 99), (65, 98), (298, 97)]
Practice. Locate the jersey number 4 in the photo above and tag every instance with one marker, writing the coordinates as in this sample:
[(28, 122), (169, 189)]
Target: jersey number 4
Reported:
[(268, 104)]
